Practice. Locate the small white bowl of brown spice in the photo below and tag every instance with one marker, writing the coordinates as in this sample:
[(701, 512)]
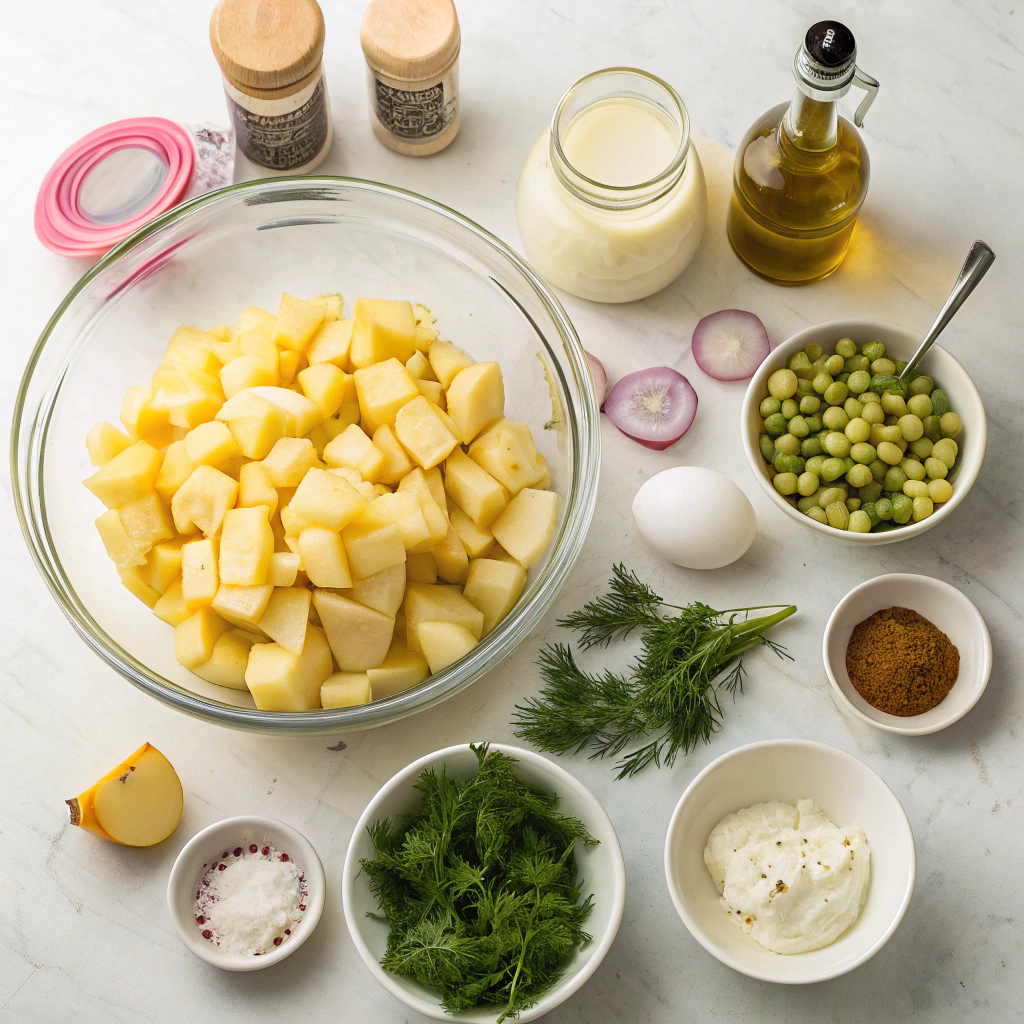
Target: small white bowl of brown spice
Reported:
[(906, 653)]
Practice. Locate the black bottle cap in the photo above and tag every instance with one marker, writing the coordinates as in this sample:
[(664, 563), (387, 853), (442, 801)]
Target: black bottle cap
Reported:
[(830, 44)]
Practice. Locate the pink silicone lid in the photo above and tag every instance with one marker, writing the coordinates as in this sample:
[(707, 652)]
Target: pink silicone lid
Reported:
[(61, 223)]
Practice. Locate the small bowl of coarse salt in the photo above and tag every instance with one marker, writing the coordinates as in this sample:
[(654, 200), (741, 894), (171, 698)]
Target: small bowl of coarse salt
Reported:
[(246, 892)]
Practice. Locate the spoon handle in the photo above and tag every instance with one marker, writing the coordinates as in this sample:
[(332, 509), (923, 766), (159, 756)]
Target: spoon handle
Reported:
[(979, 259)]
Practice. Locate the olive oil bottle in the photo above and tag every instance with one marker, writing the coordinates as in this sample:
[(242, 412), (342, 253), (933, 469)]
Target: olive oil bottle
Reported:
[(802, 170)]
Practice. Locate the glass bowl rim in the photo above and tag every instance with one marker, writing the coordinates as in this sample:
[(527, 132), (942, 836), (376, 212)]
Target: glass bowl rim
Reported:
[(582, 421)]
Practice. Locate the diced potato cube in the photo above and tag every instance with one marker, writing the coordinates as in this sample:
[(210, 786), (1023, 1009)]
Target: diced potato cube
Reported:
[(293, 523), (425, 337), (104, 441), (423, 433), (284, 567), (256, 423), (324, 558), (526, 526), (352, 449), (476, 541), (331, 304), (383, 591), (327, 499), (192, 349), (400, 670), (305, 413), (424, 603), (382, 389), (508, 453), (199, 578), (345, 690), (494, 587), (444, 643), (359, 636), (176, 468), (286, 617), (419, 367), (432, 391), (290, 460), (163, 565), (210, 444), (131, 474), (473, 489), (476, 399), (372, 550), (256, 335), (324, 384), (281, 681), (146, 519), (451, 559), (246, 544), (320, 439), (403, 509), (421, 568), (446, 361), (195, 637), (331, 343), (227, 351), (435, 484), (396, 462), (246, 372), (133, 581), (203, 499), (142, 421), (242, 606), (228, 661), (434, 515), (256, 488), (124, 550), (187, 397), (290, 364), (382, 329), (171, 607), (297, 322), (367, 490)]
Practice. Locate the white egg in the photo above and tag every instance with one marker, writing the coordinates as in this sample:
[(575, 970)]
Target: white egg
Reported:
[(694, 517)]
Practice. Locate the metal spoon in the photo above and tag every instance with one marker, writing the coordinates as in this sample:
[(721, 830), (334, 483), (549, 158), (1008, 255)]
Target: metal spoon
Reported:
[(979, 259)]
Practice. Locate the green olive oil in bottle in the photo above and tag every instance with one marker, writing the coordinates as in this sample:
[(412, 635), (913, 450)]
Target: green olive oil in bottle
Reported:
[(802, 171)]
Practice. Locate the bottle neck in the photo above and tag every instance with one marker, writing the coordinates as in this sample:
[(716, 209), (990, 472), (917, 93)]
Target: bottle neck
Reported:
[(811, 125)]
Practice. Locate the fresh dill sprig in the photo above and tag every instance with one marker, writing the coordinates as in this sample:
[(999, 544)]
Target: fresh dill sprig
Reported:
[(670, 698), (480, 888)]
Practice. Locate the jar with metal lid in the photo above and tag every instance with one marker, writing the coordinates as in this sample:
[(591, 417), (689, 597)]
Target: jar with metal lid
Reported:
[(611, 201), (412, 72), (270, 53)]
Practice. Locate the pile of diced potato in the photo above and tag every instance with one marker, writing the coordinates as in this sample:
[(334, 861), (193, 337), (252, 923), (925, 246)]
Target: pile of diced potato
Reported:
[(327, 510)]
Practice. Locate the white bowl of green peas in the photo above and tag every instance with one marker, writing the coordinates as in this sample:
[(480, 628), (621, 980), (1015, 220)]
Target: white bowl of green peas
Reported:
[(847, 451)]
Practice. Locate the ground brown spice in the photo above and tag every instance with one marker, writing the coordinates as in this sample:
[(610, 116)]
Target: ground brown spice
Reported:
[(901, 663)]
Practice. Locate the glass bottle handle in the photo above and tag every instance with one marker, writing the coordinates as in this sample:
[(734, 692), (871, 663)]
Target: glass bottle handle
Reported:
[(870, 87)]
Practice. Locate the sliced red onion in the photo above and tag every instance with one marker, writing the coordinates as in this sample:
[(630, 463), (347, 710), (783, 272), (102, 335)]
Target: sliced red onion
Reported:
[(654, 407), (730, 344), (600, 377)]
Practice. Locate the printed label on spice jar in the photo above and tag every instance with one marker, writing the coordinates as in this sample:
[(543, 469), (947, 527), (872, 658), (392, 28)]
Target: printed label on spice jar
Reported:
[(416, 115), (282, 134)]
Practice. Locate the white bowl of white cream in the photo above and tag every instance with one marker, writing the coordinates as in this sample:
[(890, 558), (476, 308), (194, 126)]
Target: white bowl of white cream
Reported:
[(852, 809)]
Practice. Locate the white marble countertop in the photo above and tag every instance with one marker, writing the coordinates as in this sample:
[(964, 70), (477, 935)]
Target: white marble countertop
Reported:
[(84, 928)]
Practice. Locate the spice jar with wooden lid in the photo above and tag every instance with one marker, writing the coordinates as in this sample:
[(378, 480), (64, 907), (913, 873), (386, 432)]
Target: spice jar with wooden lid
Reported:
[(412, 53), (270, 53)]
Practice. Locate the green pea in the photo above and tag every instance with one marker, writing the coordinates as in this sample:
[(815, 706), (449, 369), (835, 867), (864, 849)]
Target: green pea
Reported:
[(813, 423), (932, 427), (950, 424), (894, 405), (835, 418), (883, 509), (940, 403), (911, 427), (809, 447), (782, 384), (923, 507), (790, 408), (873, 412), (807, 483), (831, 469), (863, 454), (936, 469), (775, 424), (789, 464), (870, 492), (919, 405), (834, 365), (858, 430), (915, 489), (902, 508), (873, 350), (895, 478), (914, 469), (803, 388), (819, 363), (901, 365), (809, 404), (838, 515), (858, 476), (890, 433), (809, 501), (814, 464), (801, 365), (878, 469), (859, 382), (882, 365), (769, 406), (856, 364), (853, 408), (787, 444), (868, 397), (889, 453), (868, 508), (822, 382), (846, 347), (852, 504), (798, 427), (940, 490), (848, 464), (860, 522), (891, 421), (921, 448), (881, 383), (767, 446), (813, 351), (835, 393), (922, 385), (946, 451), (785, 483), (842, 378), (818, 515), (837, 444)]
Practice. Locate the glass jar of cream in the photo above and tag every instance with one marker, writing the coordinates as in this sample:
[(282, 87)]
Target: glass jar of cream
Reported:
[(611, 201)]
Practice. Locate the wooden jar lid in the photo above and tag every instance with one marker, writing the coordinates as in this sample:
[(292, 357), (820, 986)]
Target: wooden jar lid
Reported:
[(266, 45), (410, 40)]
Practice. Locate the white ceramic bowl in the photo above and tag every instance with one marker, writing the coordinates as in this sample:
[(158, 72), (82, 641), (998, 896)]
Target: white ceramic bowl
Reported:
[(942, 604), (848, 792), (601, 869), (900, 343), (207, 846)]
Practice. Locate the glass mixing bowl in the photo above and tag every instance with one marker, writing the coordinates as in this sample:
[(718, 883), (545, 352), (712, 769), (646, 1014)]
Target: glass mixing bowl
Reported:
[(202, 263)]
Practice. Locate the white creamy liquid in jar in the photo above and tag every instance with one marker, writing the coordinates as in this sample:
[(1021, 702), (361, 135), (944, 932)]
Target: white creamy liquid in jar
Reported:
[(612, 255)]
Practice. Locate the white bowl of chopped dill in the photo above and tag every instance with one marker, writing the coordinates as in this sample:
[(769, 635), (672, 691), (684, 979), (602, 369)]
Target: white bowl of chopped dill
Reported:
[(483, 883)]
